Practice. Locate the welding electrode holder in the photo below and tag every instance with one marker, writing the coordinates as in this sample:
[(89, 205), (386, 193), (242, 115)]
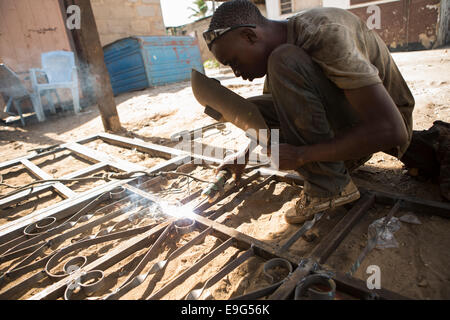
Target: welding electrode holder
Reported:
[(215, 188)]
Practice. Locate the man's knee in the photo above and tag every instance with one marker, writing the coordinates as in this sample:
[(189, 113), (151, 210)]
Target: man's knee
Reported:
[(288, 55)]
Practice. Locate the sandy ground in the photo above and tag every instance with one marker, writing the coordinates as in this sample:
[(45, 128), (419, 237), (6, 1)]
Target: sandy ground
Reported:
[(418, 268)]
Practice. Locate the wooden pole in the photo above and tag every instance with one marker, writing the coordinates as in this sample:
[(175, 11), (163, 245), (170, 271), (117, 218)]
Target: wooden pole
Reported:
[(90, 54)]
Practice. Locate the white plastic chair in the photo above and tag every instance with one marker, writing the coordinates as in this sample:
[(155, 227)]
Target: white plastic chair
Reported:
[(61, 72), (12, 87)]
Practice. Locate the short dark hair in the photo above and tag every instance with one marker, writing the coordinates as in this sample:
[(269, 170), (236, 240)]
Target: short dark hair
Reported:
[(236, 12)]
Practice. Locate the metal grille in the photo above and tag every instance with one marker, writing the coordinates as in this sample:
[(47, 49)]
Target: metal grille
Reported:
[(285, 6), (106, 242)]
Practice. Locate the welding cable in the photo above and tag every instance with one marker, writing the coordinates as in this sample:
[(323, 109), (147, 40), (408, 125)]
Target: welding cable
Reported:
[(105, 176), (127, 175), (49, 181)]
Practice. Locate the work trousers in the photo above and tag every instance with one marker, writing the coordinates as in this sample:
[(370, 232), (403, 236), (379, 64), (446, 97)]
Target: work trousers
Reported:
[(308, 109)]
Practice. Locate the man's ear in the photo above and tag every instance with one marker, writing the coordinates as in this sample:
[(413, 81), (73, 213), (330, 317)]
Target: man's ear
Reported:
[(249, 35)]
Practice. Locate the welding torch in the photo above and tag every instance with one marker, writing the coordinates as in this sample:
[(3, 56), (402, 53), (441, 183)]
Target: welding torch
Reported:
[(213, 190)]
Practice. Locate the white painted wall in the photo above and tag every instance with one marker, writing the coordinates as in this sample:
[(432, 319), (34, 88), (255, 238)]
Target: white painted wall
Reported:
[(344, 4)]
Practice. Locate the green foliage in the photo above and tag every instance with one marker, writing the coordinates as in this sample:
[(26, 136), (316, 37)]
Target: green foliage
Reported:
[(200, 10), (211, 64)]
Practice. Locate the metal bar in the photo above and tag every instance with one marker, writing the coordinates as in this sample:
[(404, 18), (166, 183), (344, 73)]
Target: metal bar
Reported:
[(281, 176), (192, 270), (287, 287), (97, 156), (358, 288), (326, 247), (416, 205), (58, 210), (27, 243), (11, 292), (64, 191), (34, 155), (122, 251), (68, 206), (6, 202), (195, 294), (300, 232), (152, 149), (44, 188)]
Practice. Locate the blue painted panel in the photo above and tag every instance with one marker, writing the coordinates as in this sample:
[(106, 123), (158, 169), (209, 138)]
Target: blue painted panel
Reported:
[(125, 65), (139, 62)]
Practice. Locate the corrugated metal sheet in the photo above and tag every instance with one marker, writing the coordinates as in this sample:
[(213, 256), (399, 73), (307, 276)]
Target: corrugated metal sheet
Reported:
[(405, 24), (139, 62)]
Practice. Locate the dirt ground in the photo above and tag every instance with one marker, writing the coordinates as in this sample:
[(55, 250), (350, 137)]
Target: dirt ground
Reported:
[(418, 268)]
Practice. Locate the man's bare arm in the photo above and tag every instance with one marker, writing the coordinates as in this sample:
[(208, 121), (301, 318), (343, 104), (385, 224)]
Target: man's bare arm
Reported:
[(381, 128)]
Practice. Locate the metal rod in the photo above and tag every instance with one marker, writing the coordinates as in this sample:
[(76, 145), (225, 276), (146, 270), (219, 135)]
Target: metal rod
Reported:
[(300, 232), (192, 270)]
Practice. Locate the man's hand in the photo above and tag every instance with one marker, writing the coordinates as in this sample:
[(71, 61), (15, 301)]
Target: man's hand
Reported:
[(290, 157), (235, 164), (236, 169)]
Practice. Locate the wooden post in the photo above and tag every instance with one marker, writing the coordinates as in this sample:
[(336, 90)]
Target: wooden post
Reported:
[(90, 54)]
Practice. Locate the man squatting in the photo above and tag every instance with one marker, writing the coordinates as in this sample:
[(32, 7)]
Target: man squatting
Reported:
[(332, 89)]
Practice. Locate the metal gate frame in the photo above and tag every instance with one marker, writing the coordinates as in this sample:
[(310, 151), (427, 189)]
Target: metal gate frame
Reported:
[(11, 234)]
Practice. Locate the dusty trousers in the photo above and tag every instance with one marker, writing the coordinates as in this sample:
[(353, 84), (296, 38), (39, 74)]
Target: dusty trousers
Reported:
[(308, 109)]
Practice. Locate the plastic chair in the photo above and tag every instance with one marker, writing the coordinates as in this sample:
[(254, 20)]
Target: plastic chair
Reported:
[(12, 87), (61, 72)]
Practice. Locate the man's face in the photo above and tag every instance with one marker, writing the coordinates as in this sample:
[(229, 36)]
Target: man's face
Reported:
[(243, 51)]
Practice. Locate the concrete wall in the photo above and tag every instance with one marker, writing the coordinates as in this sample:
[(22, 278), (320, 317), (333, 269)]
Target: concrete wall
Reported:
[(29, 28), (118, 19)]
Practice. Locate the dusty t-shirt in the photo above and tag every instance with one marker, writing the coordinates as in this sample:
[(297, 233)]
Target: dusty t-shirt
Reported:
[(351, 55)]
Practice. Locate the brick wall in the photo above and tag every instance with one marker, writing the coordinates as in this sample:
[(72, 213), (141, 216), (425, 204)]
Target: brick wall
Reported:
[(118, 19)]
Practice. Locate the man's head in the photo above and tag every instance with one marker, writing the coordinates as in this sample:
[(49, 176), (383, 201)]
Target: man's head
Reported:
[(237, 36)]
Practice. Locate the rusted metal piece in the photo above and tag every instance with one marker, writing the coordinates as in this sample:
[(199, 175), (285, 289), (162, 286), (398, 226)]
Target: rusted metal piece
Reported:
[(404, 24), (358, 289)]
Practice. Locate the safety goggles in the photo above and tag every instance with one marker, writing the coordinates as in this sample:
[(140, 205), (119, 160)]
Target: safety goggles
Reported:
[(212, 35)]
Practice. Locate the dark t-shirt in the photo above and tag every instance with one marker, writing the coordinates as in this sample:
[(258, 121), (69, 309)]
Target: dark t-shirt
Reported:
[(351, 55)]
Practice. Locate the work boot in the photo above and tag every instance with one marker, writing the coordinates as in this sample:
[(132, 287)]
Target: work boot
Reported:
[(307, 206)]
